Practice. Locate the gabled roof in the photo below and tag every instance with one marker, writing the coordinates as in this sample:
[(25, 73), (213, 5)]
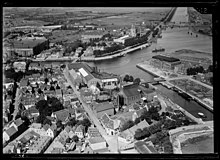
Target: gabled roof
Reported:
[(53, 127), (107, 121), (99, 107), (140, 111), (80, 128), (11, 131), (62, 114), (18, 122), (143, 147), (131, 90), (93, 132), (94, 140), (46, 127)]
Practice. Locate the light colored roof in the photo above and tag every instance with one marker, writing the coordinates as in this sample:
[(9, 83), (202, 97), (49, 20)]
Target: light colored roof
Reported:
[(94, 140), (83, 72), (11, 131)]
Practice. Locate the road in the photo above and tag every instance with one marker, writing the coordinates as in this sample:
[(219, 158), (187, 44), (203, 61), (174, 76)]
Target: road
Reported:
[(16, 103), (109, 139)]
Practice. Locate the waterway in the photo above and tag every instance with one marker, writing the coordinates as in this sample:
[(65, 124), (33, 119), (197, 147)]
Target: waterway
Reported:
[(191, 106), (172, 40)]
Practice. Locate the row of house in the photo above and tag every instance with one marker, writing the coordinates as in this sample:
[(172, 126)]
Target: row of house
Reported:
[(14, 128)]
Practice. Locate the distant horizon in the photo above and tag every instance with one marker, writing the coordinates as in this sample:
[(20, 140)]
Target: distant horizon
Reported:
[(100, 9)]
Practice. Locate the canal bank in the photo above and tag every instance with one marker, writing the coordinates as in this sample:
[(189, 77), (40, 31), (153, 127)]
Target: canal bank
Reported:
[(189, 105)]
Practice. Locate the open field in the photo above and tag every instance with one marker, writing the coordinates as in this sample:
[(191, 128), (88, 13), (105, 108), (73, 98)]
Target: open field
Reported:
[(204, 145), (131, 18), (193, 88)]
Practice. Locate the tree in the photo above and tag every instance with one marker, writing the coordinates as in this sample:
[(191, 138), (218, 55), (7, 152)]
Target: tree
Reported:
[(138, 134), (72, 122), (137, 81), (126, 78), (75, 138), (46, 80), (40, 105), (127, 125), (146, 132), (85, 122), (59, 124), (68, 140), (131, 78)]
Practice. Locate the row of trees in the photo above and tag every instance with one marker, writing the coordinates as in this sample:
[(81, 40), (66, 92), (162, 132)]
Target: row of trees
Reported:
[(113, 48), (85, 122), (195, 70), (152, 113), (163, 124)]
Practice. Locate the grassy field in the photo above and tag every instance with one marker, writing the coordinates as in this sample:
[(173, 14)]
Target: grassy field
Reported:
[(131, 18), (204, 145)]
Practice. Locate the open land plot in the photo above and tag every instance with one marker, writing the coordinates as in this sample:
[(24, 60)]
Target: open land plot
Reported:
[(193, 88), (131, 18), (66, 36)]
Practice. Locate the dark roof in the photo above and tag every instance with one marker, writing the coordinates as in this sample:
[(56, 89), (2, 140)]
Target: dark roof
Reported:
[(165, 58), (76, 66), (99, 107), (104, 75), (131, 90), (11, 131), (27, 43)]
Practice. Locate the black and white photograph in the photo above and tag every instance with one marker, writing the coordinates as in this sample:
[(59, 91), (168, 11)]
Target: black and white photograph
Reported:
[(100, 80)]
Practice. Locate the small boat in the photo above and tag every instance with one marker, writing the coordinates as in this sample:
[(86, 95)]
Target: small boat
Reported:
[(202, 115), (159, 50)]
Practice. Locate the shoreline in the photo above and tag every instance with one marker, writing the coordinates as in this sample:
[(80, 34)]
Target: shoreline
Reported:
[(121, 54)]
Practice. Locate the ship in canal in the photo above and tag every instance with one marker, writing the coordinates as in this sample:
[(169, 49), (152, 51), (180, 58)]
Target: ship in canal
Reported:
[(184, 95), (158, 50)]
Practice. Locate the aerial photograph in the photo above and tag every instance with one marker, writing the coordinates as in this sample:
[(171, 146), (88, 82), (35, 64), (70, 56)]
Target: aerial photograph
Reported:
[(99, 80)]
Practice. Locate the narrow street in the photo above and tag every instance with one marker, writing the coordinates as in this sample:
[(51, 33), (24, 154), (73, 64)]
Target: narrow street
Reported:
[(112, 146), (16, 103)]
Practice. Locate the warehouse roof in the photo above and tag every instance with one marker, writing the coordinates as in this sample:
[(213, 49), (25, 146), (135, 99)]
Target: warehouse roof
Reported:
[(166, 58), (27, 43)]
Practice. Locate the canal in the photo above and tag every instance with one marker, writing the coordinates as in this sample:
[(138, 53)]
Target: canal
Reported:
[(191, 106), (172, 40)]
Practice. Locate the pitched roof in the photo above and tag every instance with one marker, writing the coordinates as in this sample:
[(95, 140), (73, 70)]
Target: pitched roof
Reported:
[(80, 128), (53, 127), (46, 127), (93, 132), (94, 140), (11, 131), (24, 82), (131, 90), (103, 150), (18, 122), (143, 147), (109, 123), (99, 107), (62, 114)]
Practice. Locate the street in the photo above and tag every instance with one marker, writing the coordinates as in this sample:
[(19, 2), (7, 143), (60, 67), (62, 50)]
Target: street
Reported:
[(112, 145)]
